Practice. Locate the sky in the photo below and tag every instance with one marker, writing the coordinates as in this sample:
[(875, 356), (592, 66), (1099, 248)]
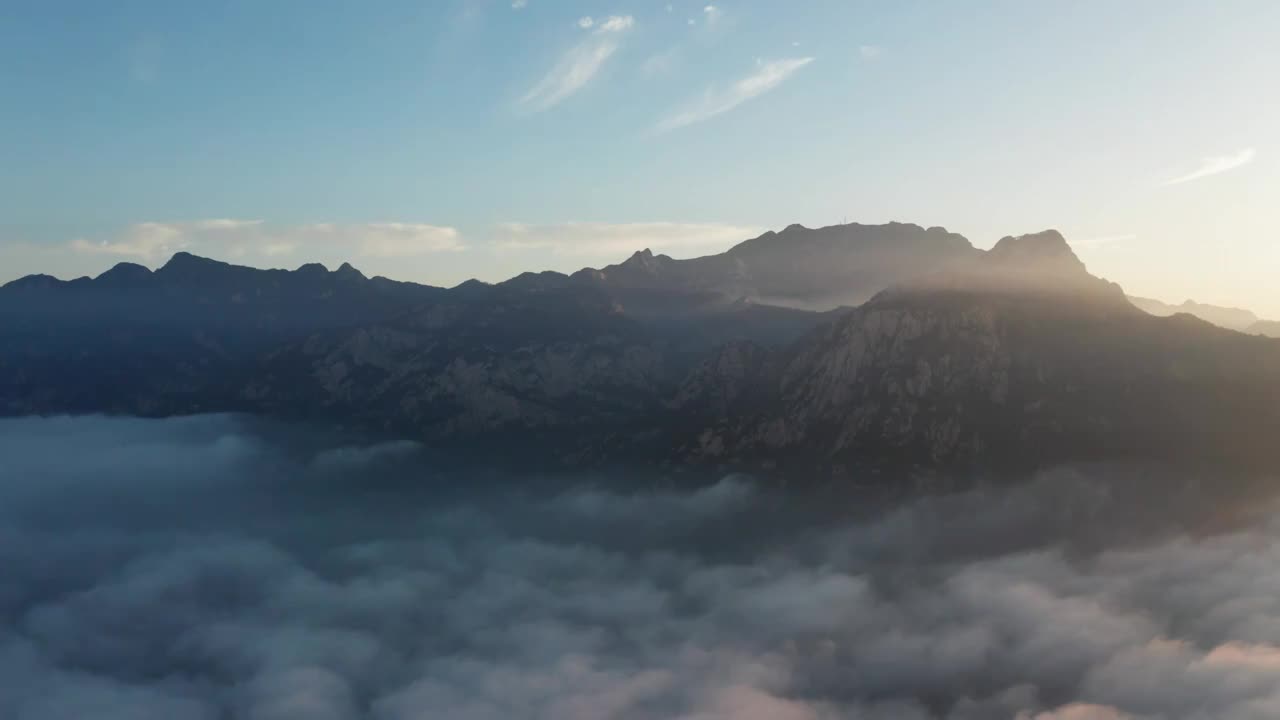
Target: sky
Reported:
[(439, 141)]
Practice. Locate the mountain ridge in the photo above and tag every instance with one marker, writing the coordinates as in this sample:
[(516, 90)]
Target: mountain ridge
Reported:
[(970, 358)]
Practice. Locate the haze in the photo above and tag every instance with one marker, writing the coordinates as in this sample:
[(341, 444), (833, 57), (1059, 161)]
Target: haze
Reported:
[(440, 141)]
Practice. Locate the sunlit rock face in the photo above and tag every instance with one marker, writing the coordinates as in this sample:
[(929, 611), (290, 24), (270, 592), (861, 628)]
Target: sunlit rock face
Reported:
[(1019, 357)]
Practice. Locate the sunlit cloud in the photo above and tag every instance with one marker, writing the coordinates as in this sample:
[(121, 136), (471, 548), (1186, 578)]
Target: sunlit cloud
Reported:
[(151, 242), (617, 240), (1078, 711), (617, 23), (155, 240), (767, 76), (1215, 165), (144, 241), (580, 65)]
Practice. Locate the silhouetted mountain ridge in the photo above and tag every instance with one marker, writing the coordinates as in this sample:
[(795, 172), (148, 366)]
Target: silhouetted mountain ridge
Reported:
[(955, 356), (1227, 317), (841, 265)]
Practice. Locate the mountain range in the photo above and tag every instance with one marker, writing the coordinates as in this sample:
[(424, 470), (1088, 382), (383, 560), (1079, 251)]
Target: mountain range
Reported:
[(835, 350)]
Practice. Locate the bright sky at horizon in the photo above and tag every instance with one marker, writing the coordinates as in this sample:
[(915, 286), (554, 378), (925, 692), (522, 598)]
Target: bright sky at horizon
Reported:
[(437, 141)]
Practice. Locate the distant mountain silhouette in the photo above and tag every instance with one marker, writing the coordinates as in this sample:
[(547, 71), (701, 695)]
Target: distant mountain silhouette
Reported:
[(953, 356), (133, 340), (1227, 317), (841, 265), (1270, 328)]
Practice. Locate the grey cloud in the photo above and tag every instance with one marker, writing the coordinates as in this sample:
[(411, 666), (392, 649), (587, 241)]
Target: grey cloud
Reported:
[(219, 567)]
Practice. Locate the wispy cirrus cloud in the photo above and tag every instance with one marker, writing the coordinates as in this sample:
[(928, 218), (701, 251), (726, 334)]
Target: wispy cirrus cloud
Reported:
[(580, 64), (1215, 165), (661, 63), (249, 239), (767, 76), (616, 240)]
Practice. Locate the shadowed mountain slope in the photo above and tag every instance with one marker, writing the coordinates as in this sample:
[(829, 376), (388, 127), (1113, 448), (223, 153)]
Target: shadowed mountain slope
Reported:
[(960, 357)]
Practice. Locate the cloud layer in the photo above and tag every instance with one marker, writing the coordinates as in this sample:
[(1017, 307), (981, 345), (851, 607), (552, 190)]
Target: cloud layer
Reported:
[(255, 240), (216, 566), (767, 76)]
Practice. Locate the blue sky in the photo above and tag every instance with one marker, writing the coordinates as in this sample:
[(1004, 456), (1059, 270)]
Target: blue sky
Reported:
[(436, 141)]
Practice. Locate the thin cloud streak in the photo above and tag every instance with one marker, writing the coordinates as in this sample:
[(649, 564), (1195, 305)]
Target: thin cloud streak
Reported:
[(249, 239), (616, 240), (767, 76), (580, 65), (1214, 166)]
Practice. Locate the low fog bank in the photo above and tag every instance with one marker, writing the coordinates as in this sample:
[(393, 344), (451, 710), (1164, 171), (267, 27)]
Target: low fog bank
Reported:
[(219, 567)]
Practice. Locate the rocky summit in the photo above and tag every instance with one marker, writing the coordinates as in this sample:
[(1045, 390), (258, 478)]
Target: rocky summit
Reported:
[(830, 350)]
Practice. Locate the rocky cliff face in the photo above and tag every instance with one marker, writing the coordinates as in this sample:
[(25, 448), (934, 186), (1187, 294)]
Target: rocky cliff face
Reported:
[(1022, 358), (512, 361)]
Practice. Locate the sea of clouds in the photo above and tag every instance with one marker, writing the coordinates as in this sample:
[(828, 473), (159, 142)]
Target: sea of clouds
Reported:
[(220, 567)]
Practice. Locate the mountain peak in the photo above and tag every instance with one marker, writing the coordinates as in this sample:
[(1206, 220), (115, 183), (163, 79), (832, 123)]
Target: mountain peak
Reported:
[(124, 274), (183, 260), (346, 270), (645, 259), (1044, 252), (33, 282), (1035, 265), (1035, 247), (315, 269)]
